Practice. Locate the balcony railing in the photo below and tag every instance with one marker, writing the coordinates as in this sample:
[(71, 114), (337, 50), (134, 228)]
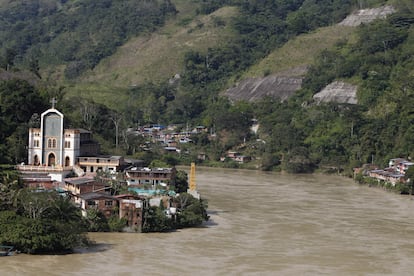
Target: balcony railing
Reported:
[(94, 163), (43, 168)]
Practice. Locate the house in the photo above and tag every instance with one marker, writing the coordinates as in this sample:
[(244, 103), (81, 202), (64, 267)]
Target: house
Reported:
[(83, 185), (131, 207), (37, 180), (202, 156), (199, 129), (133, 162), (387, 176), (137, 176), (103, 163), (365, 169), (172, 143), (185, 140), (403, 166), (400, 165), (232, 154), (393, 163), (242, 159), (104, 203), (171, 149), (237, 157)]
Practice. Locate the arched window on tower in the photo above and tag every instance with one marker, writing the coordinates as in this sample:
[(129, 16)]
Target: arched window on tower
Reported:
[(49, 143), (67, 144), (54, 143)]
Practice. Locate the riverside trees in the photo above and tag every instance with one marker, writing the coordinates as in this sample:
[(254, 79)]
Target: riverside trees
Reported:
[(191, 212), (37, 221)]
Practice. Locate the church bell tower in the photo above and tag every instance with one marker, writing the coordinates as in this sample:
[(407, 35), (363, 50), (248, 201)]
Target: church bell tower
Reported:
[(46, 143)]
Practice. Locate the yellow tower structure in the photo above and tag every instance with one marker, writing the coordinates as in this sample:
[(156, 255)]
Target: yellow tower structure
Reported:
[(192, 178)]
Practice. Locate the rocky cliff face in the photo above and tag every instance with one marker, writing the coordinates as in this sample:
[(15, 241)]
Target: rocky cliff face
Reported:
[(339, 92), (367, 15), (284, 86), (253, 89)]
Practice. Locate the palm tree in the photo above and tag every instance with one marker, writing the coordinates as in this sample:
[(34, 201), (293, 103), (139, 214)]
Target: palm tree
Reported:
[(9, 189), (64, 210)]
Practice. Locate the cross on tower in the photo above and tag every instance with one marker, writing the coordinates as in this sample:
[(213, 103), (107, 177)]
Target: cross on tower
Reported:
[(53, 101)]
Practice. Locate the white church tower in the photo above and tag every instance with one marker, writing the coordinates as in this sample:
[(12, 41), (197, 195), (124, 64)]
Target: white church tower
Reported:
[(52, 145)]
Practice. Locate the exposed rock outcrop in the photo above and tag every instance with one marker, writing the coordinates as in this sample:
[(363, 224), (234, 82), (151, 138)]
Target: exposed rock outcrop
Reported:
[(338, 92), (367, 15), (282, 86), (253, 89)]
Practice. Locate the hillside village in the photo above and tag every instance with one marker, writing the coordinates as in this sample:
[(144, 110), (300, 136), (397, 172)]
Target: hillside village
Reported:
[(171, 140)]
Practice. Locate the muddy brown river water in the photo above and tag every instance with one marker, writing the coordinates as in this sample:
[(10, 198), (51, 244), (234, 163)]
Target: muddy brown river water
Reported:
[(261, 224)]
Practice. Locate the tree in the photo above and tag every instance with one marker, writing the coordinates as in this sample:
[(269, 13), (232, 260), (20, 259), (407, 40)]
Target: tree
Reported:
[(18, 101), (10, 56), (116, 119), (298, 161), (116, 224), (62, 209), (155, 220), (33, 236), (10, 185), (191, 211), (409, 176), (44, 222), (35, 204), (34, 66), (180, 182), (97, 222)]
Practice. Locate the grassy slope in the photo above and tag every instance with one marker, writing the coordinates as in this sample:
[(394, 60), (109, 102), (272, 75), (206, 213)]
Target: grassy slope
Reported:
[(297, 53), (158, 56), (153, 57)]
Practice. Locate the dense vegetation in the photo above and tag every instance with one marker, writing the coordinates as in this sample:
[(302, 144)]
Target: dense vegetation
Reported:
[(76, 33), (35, 221), (296, 135), (19, 101), (191, 212), (39, 221)]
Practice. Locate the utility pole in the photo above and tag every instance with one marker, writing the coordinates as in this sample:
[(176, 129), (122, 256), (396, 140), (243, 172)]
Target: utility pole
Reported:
[(115, 119)]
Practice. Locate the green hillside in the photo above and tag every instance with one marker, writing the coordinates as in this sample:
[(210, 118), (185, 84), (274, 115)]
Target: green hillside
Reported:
[(159, 55), (141, 62), (75, 34), (299, 52)]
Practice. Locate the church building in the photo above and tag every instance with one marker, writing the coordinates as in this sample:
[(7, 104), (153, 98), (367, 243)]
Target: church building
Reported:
[(52, 145), (54, 152)]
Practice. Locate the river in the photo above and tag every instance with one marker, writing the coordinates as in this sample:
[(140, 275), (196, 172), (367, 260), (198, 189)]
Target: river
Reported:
[(261, 224)]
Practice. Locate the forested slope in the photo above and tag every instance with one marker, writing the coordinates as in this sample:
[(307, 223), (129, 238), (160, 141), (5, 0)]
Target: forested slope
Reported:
[(77, 34), (172, 63)]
